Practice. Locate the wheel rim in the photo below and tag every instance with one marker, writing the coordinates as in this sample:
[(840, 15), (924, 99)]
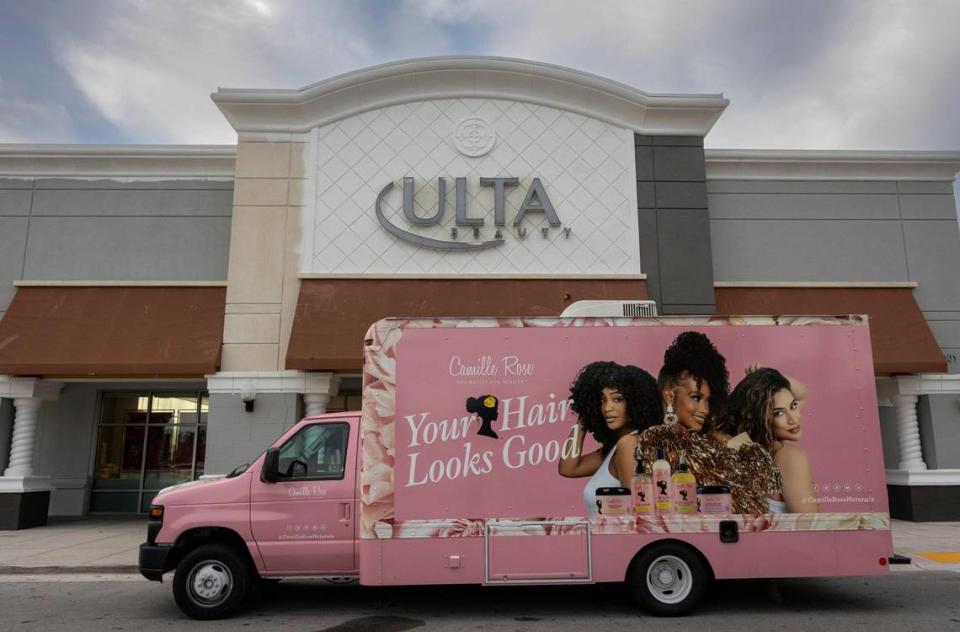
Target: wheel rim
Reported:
[(210, 583), (669, 579)]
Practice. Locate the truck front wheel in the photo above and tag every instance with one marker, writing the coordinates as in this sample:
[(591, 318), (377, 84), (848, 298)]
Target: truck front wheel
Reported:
[(668, 579), (211, 581)]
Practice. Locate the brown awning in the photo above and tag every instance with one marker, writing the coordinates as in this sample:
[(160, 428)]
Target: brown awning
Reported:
[(113, 331), (333, 314), (902, 342)]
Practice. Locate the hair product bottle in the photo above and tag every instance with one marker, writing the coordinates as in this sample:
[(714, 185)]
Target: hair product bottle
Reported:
[(642, 490), (684, 489), (662, 491)]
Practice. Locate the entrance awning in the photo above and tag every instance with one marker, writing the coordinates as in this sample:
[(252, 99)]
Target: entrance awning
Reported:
[(68, 331), (333, 315), (901, 339)]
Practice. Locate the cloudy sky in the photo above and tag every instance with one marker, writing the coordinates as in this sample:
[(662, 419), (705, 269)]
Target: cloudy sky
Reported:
[(819, 74)]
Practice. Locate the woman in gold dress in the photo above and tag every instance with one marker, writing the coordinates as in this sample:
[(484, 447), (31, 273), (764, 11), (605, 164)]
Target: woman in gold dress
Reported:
[(694, 385)]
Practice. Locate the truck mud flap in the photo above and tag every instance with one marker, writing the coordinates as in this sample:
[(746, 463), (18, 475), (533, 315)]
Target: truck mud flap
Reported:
[(537, 552)]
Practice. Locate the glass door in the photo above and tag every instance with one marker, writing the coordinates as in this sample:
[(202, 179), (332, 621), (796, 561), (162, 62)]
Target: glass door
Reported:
[(145, 442)]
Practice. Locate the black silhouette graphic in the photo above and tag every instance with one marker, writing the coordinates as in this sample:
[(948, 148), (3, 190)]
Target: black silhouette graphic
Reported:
[(683, 493), (600, 507), (663, 487), (485, 407), (643, 496)]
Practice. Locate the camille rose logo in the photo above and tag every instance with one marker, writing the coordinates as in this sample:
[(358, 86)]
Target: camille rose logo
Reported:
[(484, 407), (487, 366)]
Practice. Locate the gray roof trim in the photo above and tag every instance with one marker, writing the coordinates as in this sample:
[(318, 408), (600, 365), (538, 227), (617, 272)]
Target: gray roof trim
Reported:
[(118, 161), (803, 164)]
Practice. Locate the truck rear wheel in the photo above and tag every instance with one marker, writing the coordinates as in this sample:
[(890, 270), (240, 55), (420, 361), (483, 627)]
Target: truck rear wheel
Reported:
[(668, 579), (211, 581)]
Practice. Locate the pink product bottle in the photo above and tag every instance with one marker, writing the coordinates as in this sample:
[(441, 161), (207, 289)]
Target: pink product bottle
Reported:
[(662, 485), (715, 499), (642, 490), (614, 501)]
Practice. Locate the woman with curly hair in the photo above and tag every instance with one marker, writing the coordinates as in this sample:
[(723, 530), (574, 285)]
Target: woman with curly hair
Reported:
[(611, 401), (694, 387), (766, 405)]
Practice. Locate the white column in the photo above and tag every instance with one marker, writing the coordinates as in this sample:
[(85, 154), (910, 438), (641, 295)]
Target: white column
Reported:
[(908, 433), (315, 403), (24, 435)]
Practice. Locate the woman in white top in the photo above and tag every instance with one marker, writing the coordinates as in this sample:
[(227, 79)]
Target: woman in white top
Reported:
[(611, 401)]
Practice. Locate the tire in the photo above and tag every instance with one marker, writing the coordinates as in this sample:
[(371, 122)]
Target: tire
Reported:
[(211, 581), (668, 579)]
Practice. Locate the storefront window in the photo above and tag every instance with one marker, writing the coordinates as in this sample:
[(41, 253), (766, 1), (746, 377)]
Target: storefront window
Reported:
[(344, 402), (145, 442)]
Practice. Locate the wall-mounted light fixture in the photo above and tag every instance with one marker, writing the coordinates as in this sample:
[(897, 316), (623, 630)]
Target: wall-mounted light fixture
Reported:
[(248, 394)]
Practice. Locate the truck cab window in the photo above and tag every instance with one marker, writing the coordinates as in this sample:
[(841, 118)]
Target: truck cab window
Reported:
[(316, 452)]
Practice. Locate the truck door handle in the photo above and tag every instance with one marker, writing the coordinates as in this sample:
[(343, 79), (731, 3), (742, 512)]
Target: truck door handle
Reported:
[(345, 511)]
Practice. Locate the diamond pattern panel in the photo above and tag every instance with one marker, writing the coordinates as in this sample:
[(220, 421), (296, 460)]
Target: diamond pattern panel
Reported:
[(585, 165)]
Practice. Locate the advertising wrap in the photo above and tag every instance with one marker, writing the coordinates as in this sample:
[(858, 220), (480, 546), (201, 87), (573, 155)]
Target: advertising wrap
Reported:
[(620, 426)]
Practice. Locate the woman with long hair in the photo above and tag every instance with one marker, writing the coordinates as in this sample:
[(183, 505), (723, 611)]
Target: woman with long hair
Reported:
[(611, 401), (766, 405)]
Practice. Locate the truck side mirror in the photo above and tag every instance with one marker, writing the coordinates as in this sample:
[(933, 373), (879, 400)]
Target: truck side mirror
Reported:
[(271, 466)]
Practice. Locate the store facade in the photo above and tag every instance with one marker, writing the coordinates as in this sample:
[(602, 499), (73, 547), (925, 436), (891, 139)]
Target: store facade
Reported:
[(168, 311)]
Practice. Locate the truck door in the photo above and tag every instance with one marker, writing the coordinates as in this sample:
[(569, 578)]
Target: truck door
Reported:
[(304, 524)]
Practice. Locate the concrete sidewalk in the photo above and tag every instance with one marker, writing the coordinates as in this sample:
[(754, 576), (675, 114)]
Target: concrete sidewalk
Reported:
[(91, 544), (922, 541), (109, 544)]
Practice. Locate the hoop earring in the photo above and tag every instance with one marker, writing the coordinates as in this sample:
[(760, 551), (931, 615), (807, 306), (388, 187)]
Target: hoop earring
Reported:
[(670, 417)]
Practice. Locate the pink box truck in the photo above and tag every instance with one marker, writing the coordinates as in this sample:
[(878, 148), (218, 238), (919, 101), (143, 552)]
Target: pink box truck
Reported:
[(537, 451)]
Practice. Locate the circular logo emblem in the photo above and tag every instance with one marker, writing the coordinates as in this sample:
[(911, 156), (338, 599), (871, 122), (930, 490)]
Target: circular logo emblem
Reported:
[(474, 137)]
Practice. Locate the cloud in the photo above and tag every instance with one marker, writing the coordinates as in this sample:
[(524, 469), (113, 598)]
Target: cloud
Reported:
[(149, 67), (447, 11), (26, 120), (812, 74), (799, 75), (884, 81)]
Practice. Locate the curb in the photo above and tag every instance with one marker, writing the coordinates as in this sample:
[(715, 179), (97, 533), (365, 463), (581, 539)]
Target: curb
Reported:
[(69, 570)]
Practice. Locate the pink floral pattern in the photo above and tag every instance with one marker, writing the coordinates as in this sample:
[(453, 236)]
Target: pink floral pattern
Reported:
[(377, 440), (613, 525)]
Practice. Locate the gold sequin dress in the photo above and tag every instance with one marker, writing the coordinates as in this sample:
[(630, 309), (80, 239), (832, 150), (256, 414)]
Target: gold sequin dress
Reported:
[(749, 471)]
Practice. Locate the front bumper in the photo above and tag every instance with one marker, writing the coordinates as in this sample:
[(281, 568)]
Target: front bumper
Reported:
[(153, 560)]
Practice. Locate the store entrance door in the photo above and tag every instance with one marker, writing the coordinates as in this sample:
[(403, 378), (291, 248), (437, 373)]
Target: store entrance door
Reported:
[(146, 441)]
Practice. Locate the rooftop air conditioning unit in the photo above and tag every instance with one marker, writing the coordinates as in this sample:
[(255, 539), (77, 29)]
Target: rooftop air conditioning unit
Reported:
[(611, 309)]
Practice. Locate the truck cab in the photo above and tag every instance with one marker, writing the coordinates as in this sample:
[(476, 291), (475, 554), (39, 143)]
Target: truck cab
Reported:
[(292, 512)]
